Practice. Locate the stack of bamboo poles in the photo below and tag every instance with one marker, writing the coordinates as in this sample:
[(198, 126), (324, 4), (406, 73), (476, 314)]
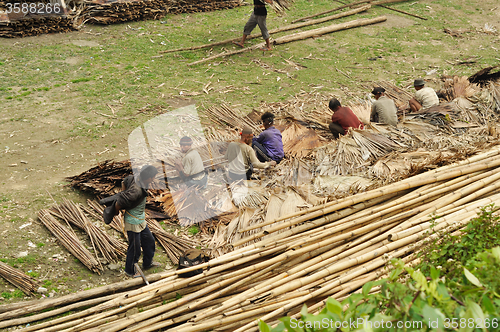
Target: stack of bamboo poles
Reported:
[(18, 279), (97, 211), (69, 240), (174, 246), (306, 256), (111, 248)]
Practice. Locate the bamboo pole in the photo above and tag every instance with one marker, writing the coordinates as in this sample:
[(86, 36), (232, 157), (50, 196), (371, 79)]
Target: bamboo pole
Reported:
[(328, 29), (403, 12)]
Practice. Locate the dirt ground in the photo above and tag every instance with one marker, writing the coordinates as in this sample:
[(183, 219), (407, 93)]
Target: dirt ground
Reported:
[(49, 136)]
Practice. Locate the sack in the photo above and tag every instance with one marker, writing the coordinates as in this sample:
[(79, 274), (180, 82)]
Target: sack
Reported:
[(192, 257)]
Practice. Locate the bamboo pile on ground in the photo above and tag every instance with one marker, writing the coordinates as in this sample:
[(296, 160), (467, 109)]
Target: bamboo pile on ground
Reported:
[(111, 248), (174, 246), (69, 240), (17, 278), (327, 250)]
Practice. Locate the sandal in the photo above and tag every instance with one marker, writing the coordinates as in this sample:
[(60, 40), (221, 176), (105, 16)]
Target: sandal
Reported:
[(238, 44), (154, 264), (136, 275)]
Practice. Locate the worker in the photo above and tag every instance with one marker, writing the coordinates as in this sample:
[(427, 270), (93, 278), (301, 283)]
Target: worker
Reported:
[(343, 118), (383, 109), (269, 144), (242, 158), (133, 200), (424, 98), (258, 17), (190, 167)]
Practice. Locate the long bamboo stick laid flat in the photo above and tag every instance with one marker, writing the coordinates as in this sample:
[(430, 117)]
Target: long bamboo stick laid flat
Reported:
[(328, 29)]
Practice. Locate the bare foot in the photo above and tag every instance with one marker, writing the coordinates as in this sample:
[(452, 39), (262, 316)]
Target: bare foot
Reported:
[(238, 44), (265, 49)]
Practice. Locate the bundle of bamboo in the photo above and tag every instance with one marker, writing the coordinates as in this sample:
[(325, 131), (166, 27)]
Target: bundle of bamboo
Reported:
[(174, 246), (25, 283), (302, 257), (112, 249), (70, 241), (108, 12), (103, 179), (33, 25)]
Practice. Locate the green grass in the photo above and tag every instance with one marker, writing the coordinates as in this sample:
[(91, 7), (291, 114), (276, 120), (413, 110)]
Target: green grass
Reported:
[(15, 294), (193, 230)]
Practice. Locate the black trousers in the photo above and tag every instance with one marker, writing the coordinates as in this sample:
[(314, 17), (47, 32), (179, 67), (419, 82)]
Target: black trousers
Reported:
[(136, 241), (336, 129), (233, 177), (261, 153)]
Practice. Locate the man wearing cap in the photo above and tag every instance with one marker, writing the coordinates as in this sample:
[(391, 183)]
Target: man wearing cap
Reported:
[(258, 17), (425, 97), (242, 158), (269, 144), (343, 118), (133, 200), (383, 109), (191, 167)]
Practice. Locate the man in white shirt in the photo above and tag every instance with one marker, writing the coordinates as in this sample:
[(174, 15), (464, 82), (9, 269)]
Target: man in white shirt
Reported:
[(191, 167), (425, 97)]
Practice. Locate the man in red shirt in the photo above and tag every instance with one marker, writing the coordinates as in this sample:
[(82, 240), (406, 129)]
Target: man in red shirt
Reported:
[(343, 118)]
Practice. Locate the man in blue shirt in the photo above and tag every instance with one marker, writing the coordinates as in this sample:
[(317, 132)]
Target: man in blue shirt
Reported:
[(269, 144)]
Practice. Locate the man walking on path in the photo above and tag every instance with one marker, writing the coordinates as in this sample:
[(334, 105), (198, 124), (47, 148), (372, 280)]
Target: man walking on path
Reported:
[(133, 200), (258, 17)]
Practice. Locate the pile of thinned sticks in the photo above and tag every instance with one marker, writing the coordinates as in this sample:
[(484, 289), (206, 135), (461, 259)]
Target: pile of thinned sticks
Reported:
[(174, 246), (111, 249), (69, 240), (18, 279), (305, 257)]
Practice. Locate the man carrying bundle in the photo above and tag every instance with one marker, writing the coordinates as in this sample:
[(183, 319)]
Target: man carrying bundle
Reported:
[(383, 109), (242, 158), (425, 97), (133, 200), (191, 167), (269, 144), (258, 17), (343, 118)]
